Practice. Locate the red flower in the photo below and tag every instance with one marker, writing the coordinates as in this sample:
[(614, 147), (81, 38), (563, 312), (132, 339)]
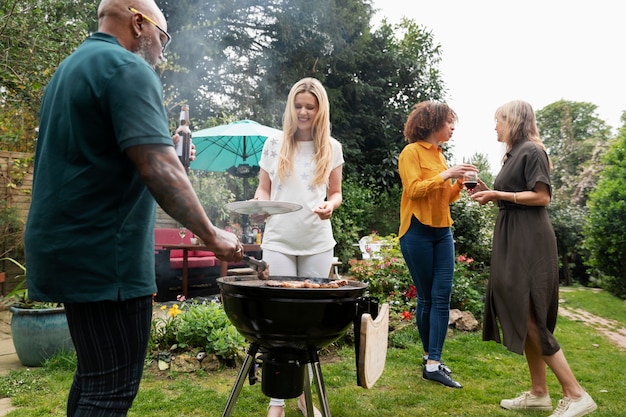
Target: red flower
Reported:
[(406, 315), (411, 292)]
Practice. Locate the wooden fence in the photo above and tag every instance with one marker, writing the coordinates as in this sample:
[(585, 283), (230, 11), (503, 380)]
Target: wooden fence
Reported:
[(16, 180)]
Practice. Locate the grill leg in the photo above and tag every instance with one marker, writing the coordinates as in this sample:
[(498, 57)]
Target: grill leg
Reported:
[(241, 377), (308, 398), (319, 382)]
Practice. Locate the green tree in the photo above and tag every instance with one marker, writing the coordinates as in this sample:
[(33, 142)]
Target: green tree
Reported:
[(213, 59), (35, 36), (576, 139), (568, 222), (605, 231), (396, 68), (240, 58)]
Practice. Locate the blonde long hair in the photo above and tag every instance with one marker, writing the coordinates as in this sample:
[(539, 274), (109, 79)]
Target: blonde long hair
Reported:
[(321, 132), (519, 122)]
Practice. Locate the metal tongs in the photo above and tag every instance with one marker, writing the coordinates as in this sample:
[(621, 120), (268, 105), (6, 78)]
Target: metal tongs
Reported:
[(259, 265)]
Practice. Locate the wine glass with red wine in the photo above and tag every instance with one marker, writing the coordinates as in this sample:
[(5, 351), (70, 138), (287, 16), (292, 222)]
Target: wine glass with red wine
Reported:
[(470, 180)]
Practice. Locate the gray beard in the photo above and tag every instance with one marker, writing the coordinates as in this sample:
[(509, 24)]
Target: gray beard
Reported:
[(143, 50)]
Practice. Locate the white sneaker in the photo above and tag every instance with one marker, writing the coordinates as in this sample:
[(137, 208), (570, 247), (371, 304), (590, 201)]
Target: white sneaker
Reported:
[(302, 408), (527, 401), (575, 408)]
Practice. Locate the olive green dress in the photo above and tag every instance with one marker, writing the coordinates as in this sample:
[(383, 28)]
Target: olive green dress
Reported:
[(524, 269)]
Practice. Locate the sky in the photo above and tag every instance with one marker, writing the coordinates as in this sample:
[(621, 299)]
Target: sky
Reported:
[(540, 51)]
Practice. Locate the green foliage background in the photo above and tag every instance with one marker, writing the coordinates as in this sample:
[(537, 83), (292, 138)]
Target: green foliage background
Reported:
[(35, 36), (605, 230), (237, 59)]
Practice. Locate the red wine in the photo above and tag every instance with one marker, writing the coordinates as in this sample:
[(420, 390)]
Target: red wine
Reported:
[(470, 185)]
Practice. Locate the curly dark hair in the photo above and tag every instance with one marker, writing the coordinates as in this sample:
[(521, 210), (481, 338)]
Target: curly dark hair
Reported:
[(425, 118)]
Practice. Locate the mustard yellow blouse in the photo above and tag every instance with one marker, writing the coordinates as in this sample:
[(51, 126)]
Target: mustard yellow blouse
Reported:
[(425, 194)]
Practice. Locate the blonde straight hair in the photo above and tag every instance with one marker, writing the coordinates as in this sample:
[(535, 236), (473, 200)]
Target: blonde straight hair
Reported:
[(321, 132), (519, 123)]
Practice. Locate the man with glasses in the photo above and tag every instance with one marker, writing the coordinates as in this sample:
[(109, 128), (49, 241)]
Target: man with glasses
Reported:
[(145, 43), (104, 155)]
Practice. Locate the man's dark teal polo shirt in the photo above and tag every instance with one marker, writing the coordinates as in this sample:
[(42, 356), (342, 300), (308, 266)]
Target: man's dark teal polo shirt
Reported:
[(89, 233)]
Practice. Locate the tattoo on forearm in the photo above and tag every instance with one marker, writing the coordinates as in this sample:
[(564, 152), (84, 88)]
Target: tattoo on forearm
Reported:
[(167, 180)]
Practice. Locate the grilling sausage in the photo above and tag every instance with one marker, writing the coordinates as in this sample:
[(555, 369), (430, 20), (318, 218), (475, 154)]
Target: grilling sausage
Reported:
[(306, 284)]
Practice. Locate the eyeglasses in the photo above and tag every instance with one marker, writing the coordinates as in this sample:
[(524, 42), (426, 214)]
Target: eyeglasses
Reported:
[(168, 38)]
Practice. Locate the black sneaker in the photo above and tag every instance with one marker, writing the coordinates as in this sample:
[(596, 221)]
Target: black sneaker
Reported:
[(442, 365), (441, 377)]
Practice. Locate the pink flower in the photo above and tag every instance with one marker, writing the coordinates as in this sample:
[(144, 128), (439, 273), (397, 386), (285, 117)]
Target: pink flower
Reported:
[(464, 259)]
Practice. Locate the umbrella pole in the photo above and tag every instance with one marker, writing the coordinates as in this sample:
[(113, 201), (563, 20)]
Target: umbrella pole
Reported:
[(245, 220), (245, 188)]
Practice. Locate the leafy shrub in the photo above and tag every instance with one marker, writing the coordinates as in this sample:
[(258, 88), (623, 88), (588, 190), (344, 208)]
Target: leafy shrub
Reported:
[(473, 228), (364, 209), (568, 222), (163, 329), (351, 220), (197, 325), (386, 215), (389, 280), (605, 230), (11, 232), (470, 285), (387, 275), (213, 191)]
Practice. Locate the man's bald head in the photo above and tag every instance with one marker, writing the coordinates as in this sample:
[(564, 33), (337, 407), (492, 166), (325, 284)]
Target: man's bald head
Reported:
[(129, 27), (119, 8)]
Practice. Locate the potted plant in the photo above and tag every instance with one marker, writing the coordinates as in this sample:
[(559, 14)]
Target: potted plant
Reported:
[(11, 239), (39, 329)]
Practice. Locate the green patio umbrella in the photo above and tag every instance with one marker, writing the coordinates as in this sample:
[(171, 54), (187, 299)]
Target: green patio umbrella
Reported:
[(235, 147)]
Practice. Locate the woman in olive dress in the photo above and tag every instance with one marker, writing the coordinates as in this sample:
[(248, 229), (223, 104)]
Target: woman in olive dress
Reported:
[(523, 289)]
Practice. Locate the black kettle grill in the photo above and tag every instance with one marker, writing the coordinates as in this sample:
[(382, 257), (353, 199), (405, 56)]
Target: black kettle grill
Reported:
[(289, 326)]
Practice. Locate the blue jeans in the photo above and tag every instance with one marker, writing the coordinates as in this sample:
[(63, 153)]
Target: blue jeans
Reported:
[(429, 255)]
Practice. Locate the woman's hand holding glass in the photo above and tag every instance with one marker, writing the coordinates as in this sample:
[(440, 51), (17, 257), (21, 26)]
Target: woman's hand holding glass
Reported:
[(481, 186), (482, 194), (470, 180)]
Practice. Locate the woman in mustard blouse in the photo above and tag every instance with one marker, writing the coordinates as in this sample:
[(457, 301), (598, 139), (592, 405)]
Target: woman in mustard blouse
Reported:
[(425, 235)]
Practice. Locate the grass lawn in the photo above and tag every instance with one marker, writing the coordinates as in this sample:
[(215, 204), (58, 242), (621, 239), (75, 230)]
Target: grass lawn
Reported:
[(487, 371)]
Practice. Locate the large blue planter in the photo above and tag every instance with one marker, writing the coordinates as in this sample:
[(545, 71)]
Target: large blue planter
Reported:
[(39, 334)]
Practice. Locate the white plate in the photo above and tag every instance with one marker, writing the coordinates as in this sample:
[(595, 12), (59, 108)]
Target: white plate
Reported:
[(262, 207)]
